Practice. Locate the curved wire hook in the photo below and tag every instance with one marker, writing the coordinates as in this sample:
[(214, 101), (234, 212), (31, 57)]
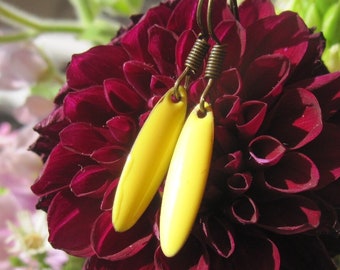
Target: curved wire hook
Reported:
[(197, 53), (209, 22), (199, 13), (234, 9)]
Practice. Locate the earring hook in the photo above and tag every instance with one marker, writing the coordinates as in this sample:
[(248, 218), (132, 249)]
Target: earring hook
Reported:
[(234, 9), (215, 61), (209, 22), (197, 53), (199, 12)]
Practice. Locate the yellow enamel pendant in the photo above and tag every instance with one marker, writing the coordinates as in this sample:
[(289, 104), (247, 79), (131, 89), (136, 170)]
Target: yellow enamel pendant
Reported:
[(148, 161), (186, 180)]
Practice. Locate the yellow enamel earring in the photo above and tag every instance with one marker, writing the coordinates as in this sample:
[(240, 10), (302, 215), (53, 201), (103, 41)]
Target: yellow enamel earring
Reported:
[(149, 158), (190, 164)]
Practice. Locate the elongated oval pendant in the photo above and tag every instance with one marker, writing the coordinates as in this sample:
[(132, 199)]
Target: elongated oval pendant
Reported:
[(186, 180), (148, 161)]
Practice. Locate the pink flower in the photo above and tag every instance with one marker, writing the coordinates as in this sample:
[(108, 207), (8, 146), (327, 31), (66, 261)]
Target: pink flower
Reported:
[(272, 191), (23, 230), (20, 65)]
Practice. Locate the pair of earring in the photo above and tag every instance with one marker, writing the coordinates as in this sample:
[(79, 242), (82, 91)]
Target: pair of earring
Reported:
[(172, 146)]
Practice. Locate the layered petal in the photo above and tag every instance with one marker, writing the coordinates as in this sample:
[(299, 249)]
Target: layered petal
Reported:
[(86, 69), (69, 220), (297, 119), (300, 214)]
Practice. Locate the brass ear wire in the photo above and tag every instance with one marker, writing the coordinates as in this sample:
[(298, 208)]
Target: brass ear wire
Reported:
[(234, 9), (215, 60), (197, 53)]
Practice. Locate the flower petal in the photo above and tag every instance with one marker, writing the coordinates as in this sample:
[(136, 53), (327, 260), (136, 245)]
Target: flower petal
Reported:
[(95, 65), (294, 173), (60, 166), (250, 118), (139, 33), (289, 215), (122, 128), (162, 45), (111, 245), (112, 157), (296, 119), (183, 17), (230, 82), (288, 36), (183, 46), (191, 256), (230, 32), (122, 99), (108, 196), (225, 139), (261, 253), (231, 163), (310, 65), (265, 77), (160, 84), (70, 222), (226, 109), (239, 183), (90, 181), (54, 122), (245, 211), (88, 106), (266, 150), (76, 137), (326, 90), (325, 154), (307, 252), (143, 260), (219, 236), (138, 75), (252, 11)]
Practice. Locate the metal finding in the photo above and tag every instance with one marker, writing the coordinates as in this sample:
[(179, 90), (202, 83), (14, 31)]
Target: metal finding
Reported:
[(197, 53), (215, 61), (234, 9), (213, 70)]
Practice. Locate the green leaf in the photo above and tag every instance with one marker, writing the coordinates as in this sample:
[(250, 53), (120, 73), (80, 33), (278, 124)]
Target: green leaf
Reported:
[(86, 10), (299, 6), (41, 259), (312, 17), (100, 32), (3, 191), (331, 24), (323, 5), (17, 262), (47, 89), (123, 7), (73, 263), (331, 58)]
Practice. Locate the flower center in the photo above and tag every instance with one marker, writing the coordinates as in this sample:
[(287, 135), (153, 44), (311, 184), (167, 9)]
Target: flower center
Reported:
[(33, 241)]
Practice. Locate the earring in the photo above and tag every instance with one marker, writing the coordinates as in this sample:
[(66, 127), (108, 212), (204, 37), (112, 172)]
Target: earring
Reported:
[(190, 163), (150, 155)]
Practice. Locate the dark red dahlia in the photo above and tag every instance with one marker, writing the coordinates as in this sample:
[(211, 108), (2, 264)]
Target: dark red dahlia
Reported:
[(272, 196)]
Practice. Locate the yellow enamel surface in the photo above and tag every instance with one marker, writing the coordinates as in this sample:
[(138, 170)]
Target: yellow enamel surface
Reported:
[(186, 180), (148, 161)]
